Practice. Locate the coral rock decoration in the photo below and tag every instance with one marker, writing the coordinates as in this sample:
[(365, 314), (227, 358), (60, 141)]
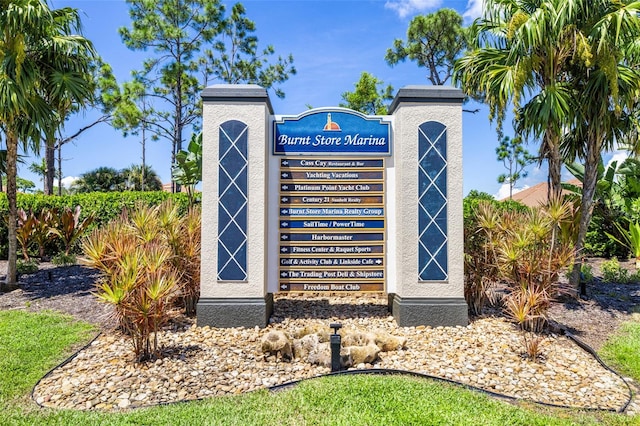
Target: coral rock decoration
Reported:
[(311, 344)]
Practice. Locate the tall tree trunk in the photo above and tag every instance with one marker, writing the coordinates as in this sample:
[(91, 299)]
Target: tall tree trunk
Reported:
[(60, 168), (554, 160), (179, 123), (12, 159), (586, 208), (50, 163), (144, 157)]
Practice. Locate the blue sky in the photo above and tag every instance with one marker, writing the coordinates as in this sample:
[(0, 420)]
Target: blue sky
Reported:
[(332, 42)]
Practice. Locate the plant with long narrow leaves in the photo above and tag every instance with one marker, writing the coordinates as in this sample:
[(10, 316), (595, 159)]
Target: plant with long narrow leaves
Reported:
[(44, 223), (26, 224), (630, 239), (150, 258), (70, 227)]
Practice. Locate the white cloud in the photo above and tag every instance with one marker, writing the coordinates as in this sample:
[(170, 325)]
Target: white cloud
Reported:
[(618, 156), (68, 181), (473, 11), (405, 8), (503, 192)]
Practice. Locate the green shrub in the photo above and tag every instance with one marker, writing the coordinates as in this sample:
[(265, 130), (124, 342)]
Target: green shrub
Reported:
[(586, 273), (63, 259), (27, 266), (598, 244), (104, 206), (612, 272), (472, 200)]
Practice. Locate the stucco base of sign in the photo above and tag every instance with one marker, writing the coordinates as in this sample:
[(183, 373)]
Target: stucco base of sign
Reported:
[(240, 312), (435, 312)]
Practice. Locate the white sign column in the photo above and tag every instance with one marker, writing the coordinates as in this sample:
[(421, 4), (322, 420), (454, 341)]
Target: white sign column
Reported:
[(233, 289), (428, 235)]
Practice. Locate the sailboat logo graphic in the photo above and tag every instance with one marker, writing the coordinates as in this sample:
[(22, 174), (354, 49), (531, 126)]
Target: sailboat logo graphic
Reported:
[(331, 126)]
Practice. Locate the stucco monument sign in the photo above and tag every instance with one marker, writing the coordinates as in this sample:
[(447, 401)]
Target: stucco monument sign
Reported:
[(332, 200)]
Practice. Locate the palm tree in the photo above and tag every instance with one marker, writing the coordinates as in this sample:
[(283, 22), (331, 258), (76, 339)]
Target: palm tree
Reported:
[(579, 59), (102, 179), (141, 178), (522, 48), (606, 83), (40, 169), (42, 59)]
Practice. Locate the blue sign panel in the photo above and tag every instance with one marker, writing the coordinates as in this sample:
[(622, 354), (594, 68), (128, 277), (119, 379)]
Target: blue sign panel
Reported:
[(332, 223), (341, 175), (318, 163), (331, 274), (334, 211), (361, 187), (335, 131)]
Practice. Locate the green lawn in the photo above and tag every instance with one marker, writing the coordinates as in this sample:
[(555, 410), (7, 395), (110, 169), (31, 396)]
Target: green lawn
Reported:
[(622, 351), (30, 344)]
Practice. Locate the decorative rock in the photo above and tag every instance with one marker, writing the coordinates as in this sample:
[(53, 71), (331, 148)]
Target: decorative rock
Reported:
[(276, 342), (387, 342), (487, 354), (320, 355), (356, 338), (124, 403), (303, 346), (318, 329), (363, 354)]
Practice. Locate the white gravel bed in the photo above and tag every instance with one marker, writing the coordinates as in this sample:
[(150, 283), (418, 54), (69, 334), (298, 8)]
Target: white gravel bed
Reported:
[(203, 362)]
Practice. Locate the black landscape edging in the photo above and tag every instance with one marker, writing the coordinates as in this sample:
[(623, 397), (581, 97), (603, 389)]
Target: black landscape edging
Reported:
[(593, 353), (387, 371), (62, 364), (384, 371)]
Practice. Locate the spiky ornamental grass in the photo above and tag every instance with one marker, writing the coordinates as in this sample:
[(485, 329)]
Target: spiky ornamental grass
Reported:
[(526, 250), (149, 258)]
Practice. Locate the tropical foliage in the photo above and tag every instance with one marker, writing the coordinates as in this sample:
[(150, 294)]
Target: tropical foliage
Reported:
[(188, 168), (45, 62), (630, 239), (102, 179), (141, 178), (103, 206), (526, 250), (570, 70), (481, 271), (108, 179), (149, 257), (50, 228)]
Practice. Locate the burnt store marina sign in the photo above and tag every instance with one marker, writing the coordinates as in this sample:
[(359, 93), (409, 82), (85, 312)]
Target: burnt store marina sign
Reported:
[(332, 200)]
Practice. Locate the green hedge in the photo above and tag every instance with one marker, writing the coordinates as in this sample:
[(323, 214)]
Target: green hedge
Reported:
[(105, 206), (472, 200)]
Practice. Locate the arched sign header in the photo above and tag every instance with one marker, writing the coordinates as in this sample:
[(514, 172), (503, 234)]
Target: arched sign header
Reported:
[(335, 131)]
